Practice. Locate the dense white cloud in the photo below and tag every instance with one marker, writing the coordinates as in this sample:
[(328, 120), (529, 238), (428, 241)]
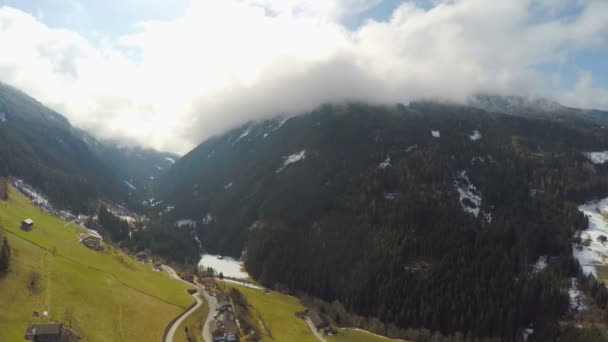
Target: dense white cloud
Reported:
[(174, 83)]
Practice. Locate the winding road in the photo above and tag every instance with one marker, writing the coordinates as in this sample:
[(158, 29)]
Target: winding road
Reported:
[(314, 330), (196, 295), (179, 321)]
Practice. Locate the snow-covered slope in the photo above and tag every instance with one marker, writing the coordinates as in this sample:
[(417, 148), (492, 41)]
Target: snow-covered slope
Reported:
[(591, 252), (597, 157)]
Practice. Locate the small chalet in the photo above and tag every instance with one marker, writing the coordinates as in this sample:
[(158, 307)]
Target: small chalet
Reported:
[(91, 239), (223, 331), (141, 256), (45, 332), (316, 319), (209, 283), (27, 224)]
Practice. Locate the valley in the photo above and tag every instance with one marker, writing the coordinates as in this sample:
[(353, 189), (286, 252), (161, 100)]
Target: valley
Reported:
[(304, 171), (420, 202)]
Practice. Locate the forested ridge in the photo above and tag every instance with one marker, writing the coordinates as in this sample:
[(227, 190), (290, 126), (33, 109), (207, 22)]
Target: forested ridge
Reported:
[(393, 241), (69, 166)]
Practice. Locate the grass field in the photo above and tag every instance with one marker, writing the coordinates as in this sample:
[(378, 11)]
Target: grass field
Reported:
[(277, 313), (602, 273), (194, 322), (111, 296)]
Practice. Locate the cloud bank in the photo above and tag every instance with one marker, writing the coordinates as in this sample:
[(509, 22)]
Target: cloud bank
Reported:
[(174, 83)]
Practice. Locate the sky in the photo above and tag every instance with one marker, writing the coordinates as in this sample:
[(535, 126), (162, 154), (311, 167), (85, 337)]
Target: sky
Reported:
[(168, 74)]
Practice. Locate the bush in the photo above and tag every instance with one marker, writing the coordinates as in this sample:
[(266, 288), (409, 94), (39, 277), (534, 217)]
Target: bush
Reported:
[(33, 282), (5, 255)]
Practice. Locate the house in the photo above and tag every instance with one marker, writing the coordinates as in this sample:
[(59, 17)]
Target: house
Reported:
[(317, 321), (141, 256), (223, 300), (91, 239), (209, 283), (223, 331), (188, 277), (45, 332), (27, 224)]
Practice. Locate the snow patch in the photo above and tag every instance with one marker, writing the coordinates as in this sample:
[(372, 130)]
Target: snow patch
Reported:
[(282, 122), (597, 157), (229, 185), (391, 195), (170, 160), (296, 157), (475, 136), (540, 265), (576, 297), (386, 163), (469, 196), (30, 192), (436, 134), (243, 135), (207, 219), (411, 148), (130, 185), (226, 265), (185, 223), (2, 117), (591, 252)]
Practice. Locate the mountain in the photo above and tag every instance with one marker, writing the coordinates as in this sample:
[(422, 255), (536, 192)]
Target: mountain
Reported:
[(68, 165), (136, 166), (535, 107), (428, 215)]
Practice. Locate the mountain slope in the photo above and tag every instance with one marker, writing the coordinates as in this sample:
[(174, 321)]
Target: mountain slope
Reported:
[(111, 296), (71, 167), (405, 213), (137, 167)]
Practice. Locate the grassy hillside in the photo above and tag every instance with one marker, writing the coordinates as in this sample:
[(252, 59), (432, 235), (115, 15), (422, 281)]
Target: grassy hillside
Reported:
[(277, 313), (112, 297)]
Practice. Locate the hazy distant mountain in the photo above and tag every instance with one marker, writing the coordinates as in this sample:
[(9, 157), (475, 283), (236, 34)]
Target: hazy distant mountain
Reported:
[(427, 215), (535, 107), (137, 167), (71, 167)]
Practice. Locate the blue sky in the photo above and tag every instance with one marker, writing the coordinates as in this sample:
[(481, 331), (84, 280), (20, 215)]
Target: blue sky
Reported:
[(169, 73)]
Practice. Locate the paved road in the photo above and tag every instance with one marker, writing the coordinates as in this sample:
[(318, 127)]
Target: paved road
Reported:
[(173, 274), (212, 302), (179, 321), (314, 330), (199, 301)]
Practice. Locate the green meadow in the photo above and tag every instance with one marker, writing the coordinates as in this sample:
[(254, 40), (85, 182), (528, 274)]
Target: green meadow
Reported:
[(110, 296), (276, 313)]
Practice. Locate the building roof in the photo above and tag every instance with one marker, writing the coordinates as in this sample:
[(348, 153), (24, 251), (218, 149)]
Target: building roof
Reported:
[(28, 221), (93, 233), (222, 327), (37, 329)]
